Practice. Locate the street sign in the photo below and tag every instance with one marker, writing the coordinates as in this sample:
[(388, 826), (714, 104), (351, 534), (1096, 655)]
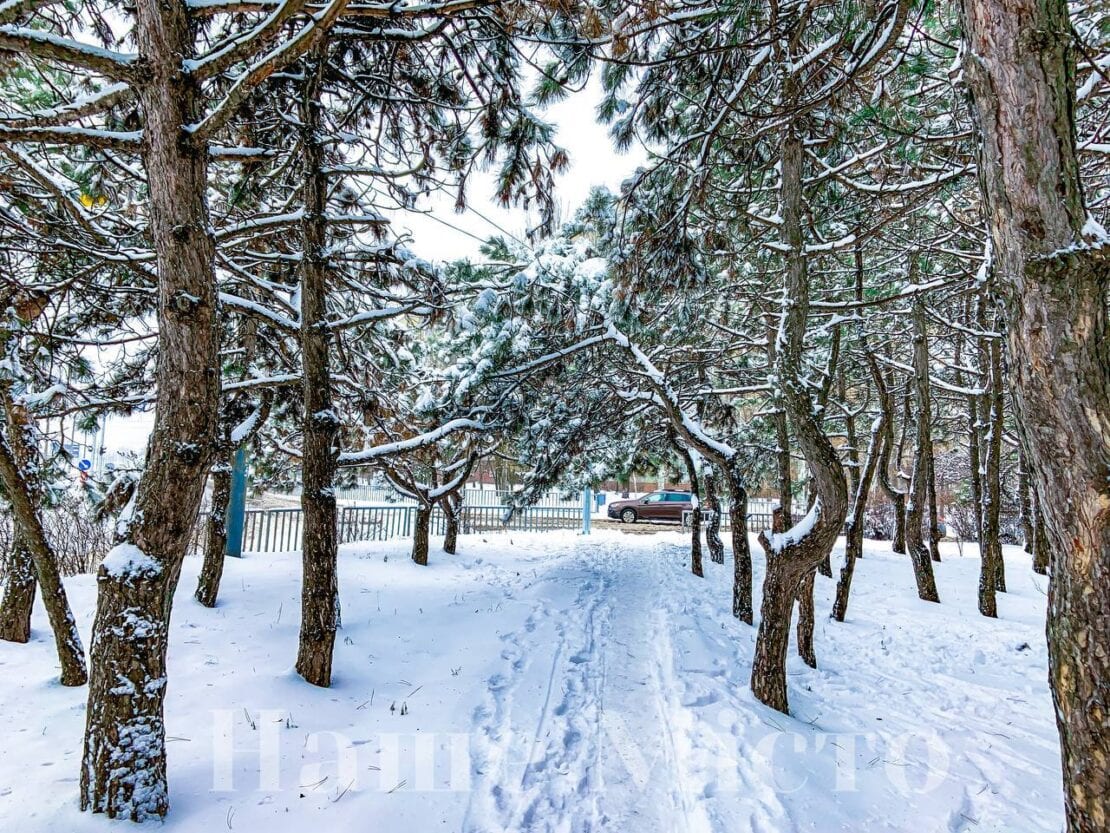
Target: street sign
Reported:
[(84, 465)]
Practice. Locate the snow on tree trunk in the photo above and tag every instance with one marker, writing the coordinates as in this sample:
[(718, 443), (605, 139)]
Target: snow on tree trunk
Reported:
[(319, 551), (19, 591), (123, 766), (794, 554), (1052, 271)]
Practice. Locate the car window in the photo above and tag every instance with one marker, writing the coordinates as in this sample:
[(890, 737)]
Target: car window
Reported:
[(654, 498), (678, 498)]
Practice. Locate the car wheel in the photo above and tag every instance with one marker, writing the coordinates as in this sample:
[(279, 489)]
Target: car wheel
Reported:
[(629, 516)]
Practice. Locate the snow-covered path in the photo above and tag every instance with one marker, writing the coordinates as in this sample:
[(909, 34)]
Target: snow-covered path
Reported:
[(555, 683)]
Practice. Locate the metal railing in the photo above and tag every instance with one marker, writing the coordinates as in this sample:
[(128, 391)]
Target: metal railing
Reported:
[(280, 530), (479, 497)]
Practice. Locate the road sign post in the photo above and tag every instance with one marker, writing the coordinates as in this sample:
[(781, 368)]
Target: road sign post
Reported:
[(587, 509)]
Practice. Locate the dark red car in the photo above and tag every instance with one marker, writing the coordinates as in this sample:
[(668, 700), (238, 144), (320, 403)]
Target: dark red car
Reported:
[(663, 505)]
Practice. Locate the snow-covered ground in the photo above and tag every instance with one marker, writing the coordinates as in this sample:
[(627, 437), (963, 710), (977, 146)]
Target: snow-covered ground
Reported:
[(552, 682)]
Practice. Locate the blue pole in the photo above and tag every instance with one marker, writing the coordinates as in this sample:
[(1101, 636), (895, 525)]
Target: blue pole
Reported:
[(587, 501), (237, 505)]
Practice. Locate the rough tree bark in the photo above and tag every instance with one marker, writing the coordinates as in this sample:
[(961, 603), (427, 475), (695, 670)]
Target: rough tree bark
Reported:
[(452, 511), (992, 576), (215, 534), (713, 527), (742, 607), (831, 367), (1020, 67), (18, 468), (794, 554), (123, 770), (1041, 548), (237, 428), (19, 592), (781, 425), (919, 553), (319, 555), (1025, 504), (695, 517), (896, 497), (853, 539), (421, 531)]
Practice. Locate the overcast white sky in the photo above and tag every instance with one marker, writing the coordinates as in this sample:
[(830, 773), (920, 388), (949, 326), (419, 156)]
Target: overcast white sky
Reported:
[(437, 237), (592, 162)]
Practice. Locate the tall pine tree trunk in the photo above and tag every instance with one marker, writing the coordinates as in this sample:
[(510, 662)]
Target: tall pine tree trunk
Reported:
[(896, 497), (742, 607), (1025, 504), (853, 539), (452, 512), (421, 532), (215, 538), (990, 544), (1041, 548), (713, 526), (319, 552), (695, 517), (1020, 67), (792, 555), (919, 553), (123, 770), (19, 591)]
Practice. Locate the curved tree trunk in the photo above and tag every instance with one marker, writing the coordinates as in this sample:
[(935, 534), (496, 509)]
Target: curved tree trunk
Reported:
[(319, 552), (1020, 67), (19, 591), (793, 555), (18, 468), (215, 539)]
